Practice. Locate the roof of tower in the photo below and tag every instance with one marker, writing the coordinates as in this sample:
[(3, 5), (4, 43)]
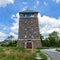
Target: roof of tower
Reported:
[(28, 11)]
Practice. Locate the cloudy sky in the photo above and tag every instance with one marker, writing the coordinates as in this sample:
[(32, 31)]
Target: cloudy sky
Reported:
[(49, 15)]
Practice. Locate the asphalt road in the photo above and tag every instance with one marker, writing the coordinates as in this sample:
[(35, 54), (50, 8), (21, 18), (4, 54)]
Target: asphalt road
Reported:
[(53, 55)]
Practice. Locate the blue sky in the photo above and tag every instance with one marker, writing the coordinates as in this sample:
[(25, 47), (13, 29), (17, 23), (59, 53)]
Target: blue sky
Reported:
[(49, 15)]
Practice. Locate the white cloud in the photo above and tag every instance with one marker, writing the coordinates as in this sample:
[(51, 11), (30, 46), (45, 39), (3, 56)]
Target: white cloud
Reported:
[(24, 8), (2, 36), (48, 24), (15, 35), (57, 1), (14, 28), (24, 3), (45, 3), (3, 3), (37, 4), (35, 7)]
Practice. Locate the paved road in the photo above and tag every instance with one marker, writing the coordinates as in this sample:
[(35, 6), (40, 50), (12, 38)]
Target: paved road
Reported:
[(52, 54)]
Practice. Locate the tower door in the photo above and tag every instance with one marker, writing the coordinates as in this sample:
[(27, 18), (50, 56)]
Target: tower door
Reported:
[(29, 45)]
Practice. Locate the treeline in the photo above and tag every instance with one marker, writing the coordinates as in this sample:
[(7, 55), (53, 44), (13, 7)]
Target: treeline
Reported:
[(53, 40), (7, 43)]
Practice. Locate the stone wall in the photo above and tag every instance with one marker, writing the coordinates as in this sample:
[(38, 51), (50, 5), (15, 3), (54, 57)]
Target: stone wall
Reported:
[(36, 43)]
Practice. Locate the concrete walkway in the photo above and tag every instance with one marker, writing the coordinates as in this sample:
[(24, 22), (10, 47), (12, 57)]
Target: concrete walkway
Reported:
[(52, 53)]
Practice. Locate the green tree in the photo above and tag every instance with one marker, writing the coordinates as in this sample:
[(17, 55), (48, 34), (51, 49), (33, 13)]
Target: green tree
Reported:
[(41, 38), (13, 43), (54, 35), (10, 37), (53, 38)]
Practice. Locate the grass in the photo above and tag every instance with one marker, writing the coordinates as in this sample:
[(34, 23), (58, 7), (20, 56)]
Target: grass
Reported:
[(19, 53), (58, 49), (44, 48), (43, 56), (16, 53)]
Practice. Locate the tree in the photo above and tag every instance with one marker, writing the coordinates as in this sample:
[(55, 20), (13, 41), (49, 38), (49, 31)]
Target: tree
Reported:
[(13, 43), (54, 35), (10, 37), (53, 38), (41, 37)]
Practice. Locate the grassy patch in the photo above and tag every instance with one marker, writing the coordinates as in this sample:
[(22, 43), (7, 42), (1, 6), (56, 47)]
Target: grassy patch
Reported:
[(58, 49), (16, 53), (44, 48), (42, 55)]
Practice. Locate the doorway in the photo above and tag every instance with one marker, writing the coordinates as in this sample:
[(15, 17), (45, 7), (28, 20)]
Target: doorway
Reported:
[(29, 45)]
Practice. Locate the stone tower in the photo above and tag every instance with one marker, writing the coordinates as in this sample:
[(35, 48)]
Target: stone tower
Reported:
[(28, 36)]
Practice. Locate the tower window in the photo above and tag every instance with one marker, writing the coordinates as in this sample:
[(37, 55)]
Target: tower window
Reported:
[(25, 21), (31, 21), (25, 35), (32, 27), (28, 15), (32, 15), (32, 35), (25, 27)]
